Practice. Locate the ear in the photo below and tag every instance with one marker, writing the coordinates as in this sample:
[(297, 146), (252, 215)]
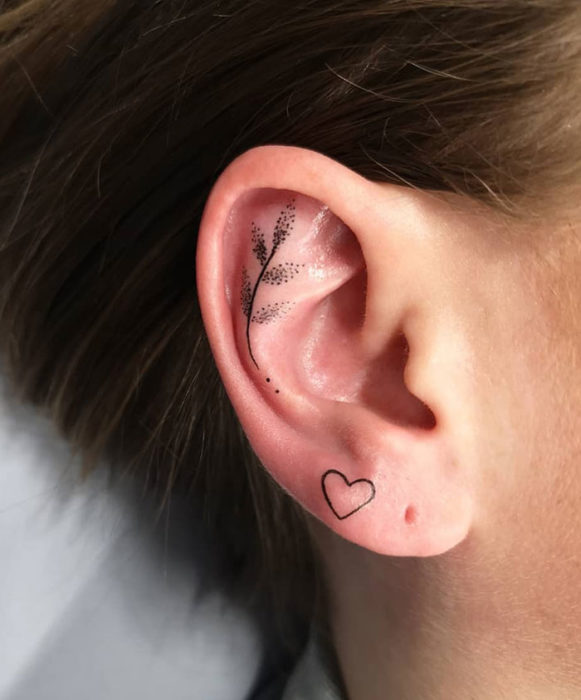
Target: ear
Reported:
[(323, 296)]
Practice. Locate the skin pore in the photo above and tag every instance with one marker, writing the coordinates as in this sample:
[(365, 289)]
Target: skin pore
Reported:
[(499, 615)]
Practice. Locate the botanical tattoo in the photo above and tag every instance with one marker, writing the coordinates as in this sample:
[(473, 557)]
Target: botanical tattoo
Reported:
[(346, 497), (278, 274)]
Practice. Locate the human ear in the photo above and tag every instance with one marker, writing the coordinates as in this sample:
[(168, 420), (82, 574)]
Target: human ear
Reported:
[(324, 308)]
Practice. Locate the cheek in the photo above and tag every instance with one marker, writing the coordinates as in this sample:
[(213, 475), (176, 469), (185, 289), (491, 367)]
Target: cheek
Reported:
[(555, 461), (558, 383), (534, 407), (549, 467), (529, 458)]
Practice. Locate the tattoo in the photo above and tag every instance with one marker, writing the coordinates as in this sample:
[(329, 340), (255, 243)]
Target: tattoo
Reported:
[(275, 275), (337, 491)]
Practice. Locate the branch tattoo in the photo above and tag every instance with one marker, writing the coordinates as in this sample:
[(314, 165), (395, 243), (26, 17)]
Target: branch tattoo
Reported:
[(278, 274)]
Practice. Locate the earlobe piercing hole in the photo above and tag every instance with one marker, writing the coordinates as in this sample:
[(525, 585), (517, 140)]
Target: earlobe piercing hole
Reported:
[(410, 515)]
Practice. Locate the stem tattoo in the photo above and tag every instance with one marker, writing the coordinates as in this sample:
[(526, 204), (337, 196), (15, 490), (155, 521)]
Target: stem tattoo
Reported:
[(273, 275)]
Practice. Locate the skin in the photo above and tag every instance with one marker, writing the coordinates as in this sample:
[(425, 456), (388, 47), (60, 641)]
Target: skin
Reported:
[(499, 615), (477, 596)]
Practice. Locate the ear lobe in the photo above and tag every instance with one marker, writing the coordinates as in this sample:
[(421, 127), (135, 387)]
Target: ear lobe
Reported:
[(316, 379)]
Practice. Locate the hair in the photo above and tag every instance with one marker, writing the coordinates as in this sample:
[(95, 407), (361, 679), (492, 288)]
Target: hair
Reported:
[(117, 116)]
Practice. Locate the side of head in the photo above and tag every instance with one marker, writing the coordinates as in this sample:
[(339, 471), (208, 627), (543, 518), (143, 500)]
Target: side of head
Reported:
[(378, 287), (403, 362)]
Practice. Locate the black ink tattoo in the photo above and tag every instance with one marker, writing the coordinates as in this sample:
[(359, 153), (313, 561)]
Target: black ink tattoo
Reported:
[(270, 312), (276, 275), (367, 496)]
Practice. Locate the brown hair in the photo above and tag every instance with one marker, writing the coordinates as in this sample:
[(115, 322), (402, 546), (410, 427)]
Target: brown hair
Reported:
[(117, 116)]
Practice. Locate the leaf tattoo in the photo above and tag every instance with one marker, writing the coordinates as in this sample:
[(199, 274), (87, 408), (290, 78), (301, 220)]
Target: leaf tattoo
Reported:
[(246, 293), (280, 274), (259, 248), (275, 275)]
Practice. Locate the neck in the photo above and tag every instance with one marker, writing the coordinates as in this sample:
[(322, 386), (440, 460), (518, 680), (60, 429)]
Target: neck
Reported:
[(460, 625)]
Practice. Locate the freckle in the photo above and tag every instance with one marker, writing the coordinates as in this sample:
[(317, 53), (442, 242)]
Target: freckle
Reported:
[(410, 515)]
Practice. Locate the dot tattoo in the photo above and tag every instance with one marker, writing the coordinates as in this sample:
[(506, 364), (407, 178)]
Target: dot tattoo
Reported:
[(246, 293), (281, 273)]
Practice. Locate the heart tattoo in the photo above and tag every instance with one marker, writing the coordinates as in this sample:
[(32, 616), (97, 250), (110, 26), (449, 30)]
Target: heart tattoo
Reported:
[(346, 497)]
